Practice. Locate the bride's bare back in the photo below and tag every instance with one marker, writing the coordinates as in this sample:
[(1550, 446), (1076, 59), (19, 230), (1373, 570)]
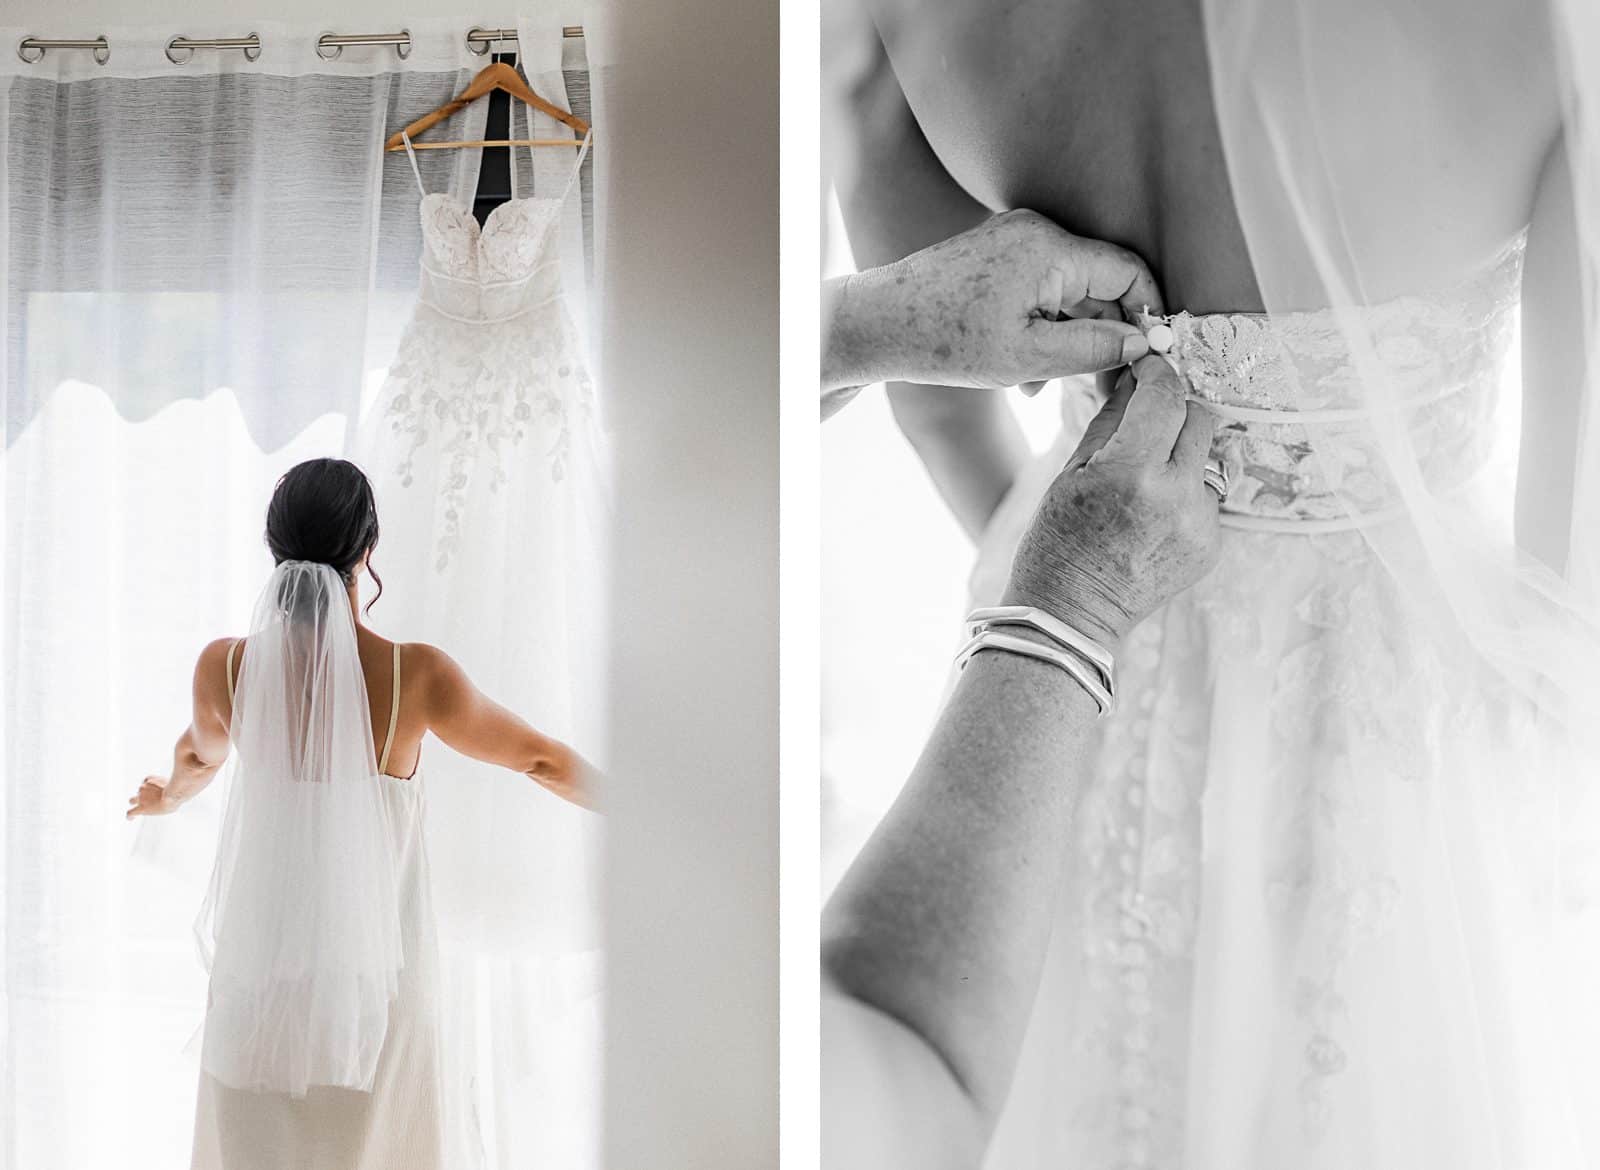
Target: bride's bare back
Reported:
[(1101, 117), (419, 671), (1438, 132)]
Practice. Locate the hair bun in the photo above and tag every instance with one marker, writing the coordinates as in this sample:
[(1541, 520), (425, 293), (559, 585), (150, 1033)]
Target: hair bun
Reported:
[(323, 512)]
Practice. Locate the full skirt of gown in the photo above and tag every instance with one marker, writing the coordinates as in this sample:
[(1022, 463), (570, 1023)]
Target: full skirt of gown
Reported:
[(1312, 916)]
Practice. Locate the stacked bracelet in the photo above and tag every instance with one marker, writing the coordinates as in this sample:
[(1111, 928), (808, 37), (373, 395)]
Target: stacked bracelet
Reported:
[(1090, 663)]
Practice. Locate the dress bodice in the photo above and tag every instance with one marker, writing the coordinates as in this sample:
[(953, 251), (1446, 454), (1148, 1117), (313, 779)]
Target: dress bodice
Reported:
[(492, 273), (1296, 421)]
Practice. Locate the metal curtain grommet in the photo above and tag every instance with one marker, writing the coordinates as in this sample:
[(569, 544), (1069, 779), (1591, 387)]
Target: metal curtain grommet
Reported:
[(477, 41), (180, 45), (252, 52), (403, 49), (39, 46), (323, 47)]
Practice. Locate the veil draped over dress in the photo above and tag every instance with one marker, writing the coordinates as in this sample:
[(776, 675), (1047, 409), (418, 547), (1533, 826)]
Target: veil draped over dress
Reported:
[(1334, 899)]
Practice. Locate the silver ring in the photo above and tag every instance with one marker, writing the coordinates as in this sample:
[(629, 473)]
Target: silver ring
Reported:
[(1216, 478)]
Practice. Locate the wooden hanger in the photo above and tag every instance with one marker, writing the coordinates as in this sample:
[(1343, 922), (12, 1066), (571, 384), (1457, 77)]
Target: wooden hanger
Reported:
[(496, 76)]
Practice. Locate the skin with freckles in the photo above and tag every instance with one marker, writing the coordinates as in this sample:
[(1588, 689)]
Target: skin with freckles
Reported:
[(934, 941), (1120, 530), (1015, 300), (1101, 118)]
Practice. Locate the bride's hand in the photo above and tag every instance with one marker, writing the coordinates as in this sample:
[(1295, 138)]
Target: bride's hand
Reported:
[(1129, 522), (1014, 301), (151, 800)]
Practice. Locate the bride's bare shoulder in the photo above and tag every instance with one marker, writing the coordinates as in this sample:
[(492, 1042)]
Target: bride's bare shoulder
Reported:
[(215, 652), (211, 668), (433, 678), (428, 665)]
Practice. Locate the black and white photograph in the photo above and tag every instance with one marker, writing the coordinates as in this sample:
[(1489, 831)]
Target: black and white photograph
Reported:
[(1209, 524)]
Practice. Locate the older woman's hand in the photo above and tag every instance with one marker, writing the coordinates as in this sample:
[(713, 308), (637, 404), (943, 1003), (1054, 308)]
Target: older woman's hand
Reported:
[(1129, 522), (1015, 300)]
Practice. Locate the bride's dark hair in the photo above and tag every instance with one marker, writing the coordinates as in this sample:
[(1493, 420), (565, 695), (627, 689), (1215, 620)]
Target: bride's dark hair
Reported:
[(323, 510)]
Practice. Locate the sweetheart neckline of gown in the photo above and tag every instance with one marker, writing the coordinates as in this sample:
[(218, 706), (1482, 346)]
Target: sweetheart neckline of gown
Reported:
[(480, 228)]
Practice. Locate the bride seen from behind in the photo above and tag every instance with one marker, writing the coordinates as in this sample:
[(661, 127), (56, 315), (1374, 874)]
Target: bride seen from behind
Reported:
[(1321, 904), (321, 1045)]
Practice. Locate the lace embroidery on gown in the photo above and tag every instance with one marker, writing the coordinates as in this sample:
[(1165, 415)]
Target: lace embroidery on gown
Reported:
[(485, 453), (487, 374), (1276, 946)]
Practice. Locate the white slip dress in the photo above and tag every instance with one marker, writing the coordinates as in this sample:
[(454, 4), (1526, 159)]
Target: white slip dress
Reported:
[(398, 1125)]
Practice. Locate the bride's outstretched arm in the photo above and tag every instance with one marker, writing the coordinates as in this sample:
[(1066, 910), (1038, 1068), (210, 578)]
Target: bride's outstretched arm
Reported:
[(897, 198), (475, 725), (202, 749)]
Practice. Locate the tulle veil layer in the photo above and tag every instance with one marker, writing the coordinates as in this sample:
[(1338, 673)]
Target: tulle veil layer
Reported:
[(300, 926), (1379, 153)]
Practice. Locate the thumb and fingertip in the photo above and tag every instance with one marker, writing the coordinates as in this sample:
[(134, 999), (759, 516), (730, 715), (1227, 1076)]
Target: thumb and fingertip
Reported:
[(1088, 345), (1153, 369)]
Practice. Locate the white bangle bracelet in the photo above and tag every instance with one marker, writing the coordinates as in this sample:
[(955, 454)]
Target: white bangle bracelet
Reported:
[(1053, 628), (1083, 672)]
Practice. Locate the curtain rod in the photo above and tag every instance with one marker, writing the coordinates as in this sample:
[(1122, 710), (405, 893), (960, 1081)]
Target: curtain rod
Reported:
[(181, 49)]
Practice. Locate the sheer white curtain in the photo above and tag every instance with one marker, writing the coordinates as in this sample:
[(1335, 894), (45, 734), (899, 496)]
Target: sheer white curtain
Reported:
[(204, 267)]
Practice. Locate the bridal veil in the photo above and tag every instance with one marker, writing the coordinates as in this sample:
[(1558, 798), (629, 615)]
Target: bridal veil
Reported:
[(1380, 154), (301, 924)]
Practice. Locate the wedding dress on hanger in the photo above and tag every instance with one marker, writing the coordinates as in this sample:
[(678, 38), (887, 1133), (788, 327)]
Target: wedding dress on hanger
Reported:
[(1330, 901), (485, 456), (321, 1046)]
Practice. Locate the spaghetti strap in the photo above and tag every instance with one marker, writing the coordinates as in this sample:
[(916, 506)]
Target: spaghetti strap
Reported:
[(412, 155), (577, 169), (394, 713), (583, 151), (232, 646)]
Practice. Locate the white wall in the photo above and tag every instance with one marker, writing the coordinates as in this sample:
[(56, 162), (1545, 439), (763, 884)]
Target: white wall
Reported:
[(690, 341)]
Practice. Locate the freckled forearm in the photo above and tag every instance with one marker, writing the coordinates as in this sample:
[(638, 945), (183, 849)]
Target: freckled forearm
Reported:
[(941, 922), (859, 342)]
